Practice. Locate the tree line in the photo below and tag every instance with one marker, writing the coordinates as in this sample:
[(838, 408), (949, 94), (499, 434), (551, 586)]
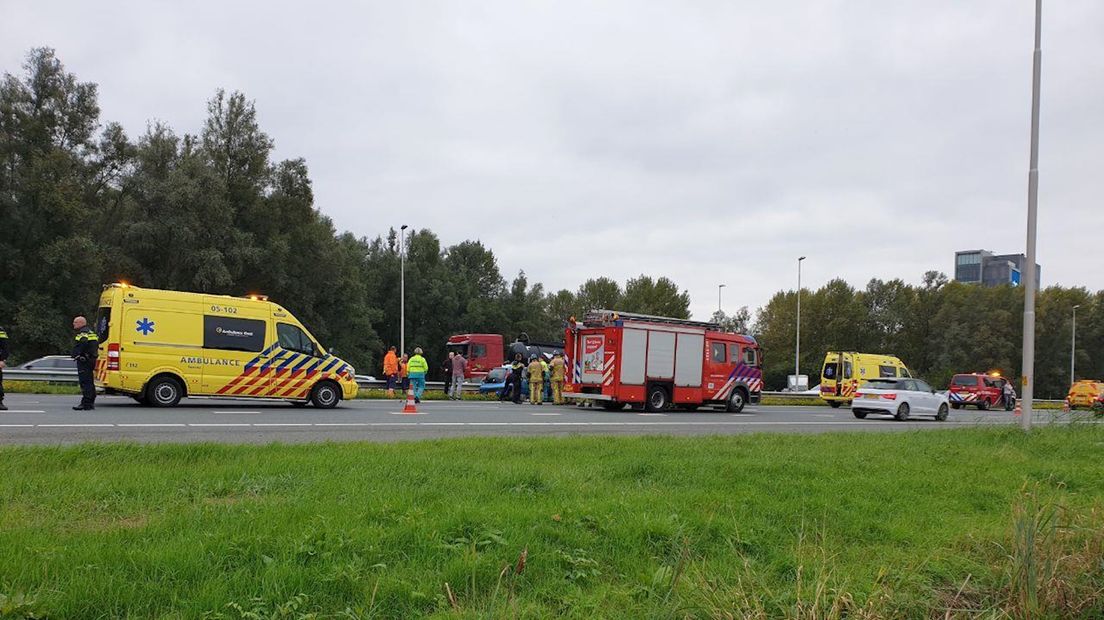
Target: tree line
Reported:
[(938, 328), (83, 204)]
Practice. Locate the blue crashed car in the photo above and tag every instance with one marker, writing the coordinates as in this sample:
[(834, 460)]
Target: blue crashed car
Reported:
[(495, 383)]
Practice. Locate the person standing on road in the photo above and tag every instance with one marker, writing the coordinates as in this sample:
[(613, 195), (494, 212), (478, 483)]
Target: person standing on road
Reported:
[(404, 374), (85, 349), (391, 371), (536, 381), (459, 369), (417, 368), (516, 370), (558, 372), (3, 364), (546, 391), (446, 369)]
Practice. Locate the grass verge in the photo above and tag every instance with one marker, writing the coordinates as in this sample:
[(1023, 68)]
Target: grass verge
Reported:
[(951, 524)]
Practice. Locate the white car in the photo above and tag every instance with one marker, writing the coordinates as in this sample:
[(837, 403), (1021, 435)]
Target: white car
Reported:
[(900, 397)]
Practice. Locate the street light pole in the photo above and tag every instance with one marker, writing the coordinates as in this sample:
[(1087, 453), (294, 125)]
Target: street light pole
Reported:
[(402, 290), (1073, 344), (719, 287), (1028, 365), (797, 341)]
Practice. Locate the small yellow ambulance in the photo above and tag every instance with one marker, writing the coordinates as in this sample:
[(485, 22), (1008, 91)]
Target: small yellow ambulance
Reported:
[(844, 371), (159, 346)]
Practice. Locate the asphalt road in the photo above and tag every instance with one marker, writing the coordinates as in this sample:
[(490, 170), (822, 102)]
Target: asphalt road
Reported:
[(39, 419)]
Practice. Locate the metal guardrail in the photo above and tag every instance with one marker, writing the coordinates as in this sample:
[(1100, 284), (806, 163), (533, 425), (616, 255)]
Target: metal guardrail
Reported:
[(70, 376)]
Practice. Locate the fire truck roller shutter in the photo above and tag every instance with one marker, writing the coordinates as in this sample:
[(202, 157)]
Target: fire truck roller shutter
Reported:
[(661, 355), (634, 345), (688, 360)]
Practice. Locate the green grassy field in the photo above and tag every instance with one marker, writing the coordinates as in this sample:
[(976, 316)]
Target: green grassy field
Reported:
[(893, 525)]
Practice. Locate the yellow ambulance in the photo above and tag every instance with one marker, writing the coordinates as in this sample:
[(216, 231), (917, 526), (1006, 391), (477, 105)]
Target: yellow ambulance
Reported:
[(1084, 392), (844, 371), (160, 346)]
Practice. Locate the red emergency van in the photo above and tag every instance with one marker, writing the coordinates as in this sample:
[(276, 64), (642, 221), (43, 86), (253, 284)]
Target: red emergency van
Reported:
[(619, 358)]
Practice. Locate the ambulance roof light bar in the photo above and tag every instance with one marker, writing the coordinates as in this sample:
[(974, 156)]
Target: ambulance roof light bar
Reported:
[(607, 317)]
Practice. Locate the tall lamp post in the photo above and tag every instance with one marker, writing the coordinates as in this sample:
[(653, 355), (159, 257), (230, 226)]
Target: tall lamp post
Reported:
[(1073, 344), (719, 287), (797, 341), (1028, 365), (402, 290)]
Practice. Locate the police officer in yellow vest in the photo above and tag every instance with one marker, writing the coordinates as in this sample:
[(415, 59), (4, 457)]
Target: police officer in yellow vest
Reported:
[(3, 363), (85, 349), (536, 381)]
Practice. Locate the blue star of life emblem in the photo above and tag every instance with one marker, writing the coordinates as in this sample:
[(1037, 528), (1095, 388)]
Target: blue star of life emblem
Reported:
[(145, 326)]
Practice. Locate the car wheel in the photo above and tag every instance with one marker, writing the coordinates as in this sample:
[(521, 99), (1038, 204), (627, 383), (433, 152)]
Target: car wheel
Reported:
[(902, 412), (325, 395), (859, 413), (164, 392), (956, 406), (983, 405), (736, 401), (942, 413), (657, 398), (834, 404)]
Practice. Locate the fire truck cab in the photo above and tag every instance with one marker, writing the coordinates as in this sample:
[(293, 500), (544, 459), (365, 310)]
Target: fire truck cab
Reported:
[(619, 358)]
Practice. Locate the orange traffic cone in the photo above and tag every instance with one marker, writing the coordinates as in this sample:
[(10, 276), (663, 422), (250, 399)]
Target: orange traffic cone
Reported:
[(410, 406), (1065, 406), (1019, 408)]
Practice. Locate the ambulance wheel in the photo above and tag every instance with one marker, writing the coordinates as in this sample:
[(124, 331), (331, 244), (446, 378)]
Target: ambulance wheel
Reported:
[(736, 401), (834, 404), (942, 413), (983, 405), (325, 395), (956, 406), (902, 412), (164, 391), (657, 398)]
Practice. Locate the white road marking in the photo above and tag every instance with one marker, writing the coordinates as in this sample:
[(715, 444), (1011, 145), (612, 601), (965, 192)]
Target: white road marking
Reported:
[(24, 411), (546, 414), (73, 425), (283, 424), (16, 425), (407, 413), (653, 414), (824, 415), (221, 425), (151, 425), (235, 412)]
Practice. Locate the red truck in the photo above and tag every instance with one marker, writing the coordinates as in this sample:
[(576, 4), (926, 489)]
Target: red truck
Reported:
[(618, 358), (487, 351), (981, 391)]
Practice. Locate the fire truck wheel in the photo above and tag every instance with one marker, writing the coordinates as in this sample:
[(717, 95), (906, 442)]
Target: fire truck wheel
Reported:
[(657, 398), (902, 412), (834, 404), (956, 406), (942, 413), (983, 405), (737, 400)]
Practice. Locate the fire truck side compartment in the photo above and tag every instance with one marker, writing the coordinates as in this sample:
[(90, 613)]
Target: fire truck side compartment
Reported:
[(661, 355), (688, 360), (633, 344)]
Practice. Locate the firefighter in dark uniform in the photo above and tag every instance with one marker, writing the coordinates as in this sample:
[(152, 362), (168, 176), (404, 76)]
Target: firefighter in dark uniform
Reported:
[(3, 363), (85, 349)]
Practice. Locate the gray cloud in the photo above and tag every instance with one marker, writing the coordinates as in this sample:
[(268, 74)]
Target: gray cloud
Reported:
[(710, 142)]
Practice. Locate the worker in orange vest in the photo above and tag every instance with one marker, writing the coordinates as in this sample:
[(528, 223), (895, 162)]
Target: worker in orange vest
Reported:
[(391, 371)]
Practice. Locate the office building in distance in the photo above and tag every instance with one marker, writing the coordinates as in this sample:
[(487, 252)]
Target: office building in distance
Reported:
[(988, 269)]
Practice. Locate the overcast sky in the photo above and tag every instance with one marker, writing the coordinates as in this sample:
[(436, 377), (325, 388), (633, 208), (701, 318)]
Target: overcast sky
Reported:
[(706, 141)]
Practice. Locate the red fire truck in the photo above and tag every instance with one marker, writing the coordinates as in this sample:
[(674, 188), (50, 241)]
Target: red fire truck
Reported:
[(617, 358)]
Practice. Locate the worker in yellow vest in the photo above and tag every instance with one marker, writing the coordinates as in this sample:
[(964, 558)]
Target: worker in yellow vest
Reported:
[(536, 381)]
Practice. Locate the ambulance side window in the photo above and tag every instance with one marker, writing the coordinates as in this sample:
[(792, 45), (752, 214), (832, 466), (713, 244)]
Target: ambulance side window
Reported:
[(717, 351), (887, 371), (294, 339), (847, 370), (233, 334)]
